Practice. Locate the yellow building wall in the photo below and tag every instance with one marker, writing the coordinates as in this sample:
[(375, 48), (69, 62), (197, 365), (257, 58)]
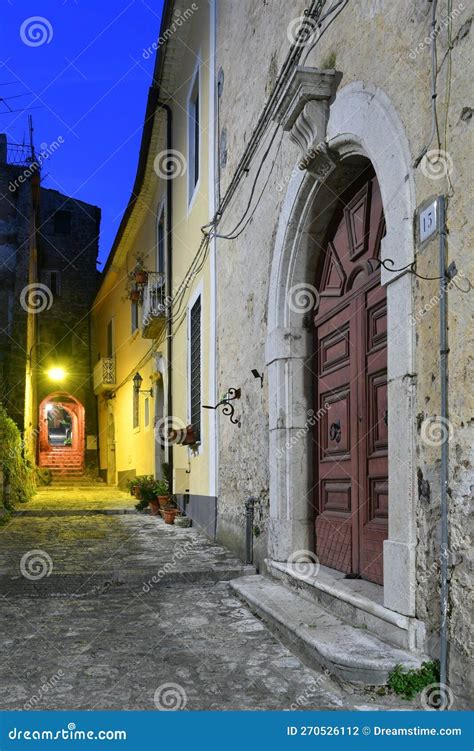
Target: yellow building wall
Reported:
[(135, 448), (188, 220)]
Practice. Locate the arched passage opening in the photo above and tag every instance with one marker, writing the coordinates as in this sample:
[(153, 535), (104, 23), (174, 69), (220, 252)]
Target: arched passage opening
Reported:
[(61, 433)]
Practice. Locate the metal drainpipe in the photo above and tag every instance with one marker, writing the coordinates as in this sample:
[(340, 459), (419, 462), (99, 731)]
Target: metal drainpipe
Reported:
[(443, 350), (169, 278), (249, 513)]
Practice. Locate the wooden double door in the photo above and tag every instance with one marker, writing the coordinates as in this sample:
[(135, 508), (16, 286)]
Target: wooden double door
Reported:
[(351, 439)]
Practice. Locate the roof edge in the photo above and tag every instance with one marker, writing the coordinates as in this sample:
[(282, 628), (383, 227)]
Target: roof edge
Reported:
[(151, 107)]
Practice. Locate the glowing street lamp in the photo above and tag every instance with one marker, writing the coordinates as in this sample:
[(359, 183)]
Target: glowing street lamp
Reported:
[(56, 374)]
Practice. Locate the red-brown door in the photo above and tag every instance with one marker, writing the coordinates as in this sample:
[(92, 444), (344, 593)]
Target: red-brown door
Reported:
[(351, 446)]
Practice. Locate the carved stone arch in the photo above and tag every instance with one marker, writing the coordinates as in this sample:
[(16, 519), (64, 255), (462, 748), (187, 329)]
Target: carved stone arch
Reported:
[(363, 127)]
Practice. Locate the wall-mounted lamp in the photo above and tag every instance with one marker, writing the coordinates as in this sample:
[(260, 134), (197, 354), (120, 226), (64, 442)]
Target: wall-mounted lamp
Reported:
[(56, 374), (228, 408), (137, 382), (256, 374)]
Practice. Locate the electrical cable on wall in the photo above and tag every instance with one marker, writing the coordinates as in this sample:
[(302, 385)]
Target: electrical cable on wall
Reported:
[(434, 116)]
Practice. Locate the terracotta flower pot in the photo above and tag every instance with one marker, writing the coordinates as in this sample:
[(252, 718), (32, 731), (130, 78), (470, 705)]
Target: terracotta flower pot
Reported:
[(163, 500), (141, 277), (190, 436), (154, 507), (135, 295), (169, 514)]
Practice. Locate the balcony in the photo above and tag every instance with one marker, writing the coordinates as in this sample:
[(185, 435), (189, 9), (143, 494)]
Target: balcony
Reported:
[(154, 306), (104, 375)]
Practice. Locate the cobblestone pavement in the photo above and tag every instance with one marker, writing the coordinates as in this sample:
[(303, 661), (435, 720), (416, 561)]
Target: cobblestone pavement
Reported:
[(120, 611)]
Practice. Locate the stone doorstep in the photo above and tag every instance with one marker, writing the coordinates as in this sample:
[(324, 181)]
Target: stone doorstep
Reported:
[(322, 639), (356, 601)]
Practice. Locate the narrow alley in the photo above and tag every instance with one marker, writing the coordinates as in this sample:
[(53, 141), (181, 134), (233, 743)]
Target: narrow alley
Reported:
[(111, 609)]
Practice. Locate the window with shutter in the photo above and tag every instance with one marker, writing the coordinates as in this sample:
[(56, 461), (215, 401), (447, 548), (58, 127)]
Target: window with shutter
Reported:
[(195, 367)]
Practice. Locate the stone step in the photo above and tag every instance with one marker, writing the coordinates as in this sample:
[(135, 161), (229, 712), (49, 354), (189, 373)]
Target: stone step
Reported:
[(321, 638), (140, 580), (64, 463), (356, 601), (61, 474)]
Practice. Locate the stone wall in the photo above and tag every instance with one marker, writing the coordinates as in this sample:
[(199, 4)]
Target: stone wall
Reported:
[(382, 44)]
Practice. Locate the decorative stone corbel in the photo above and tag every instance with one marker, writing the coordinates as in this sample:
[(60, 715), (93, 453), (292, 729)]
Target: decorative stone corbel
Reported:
[(303, 110)]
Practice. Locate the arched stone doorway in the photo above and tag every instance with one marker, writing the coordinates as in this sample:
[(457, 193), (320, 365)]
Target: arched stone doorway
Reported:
[(61, 414), (363, 130)]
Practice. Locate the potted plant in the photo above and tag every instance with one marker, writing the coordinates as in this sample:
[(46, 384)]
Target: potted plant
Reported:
[(135, 294), (144, 491), (190, 436), (162, 492), (169, 513), (133, 485)]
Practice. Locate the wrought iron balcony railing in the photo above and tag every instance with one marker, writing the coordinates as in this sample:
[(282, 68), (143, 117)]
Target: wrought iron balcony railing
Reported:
[(104, 375), (154, 306)]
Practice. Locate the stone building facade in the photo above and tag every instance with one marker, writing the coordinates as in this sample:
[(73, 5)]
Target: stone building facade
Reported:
[(48, 282), (368, 112)]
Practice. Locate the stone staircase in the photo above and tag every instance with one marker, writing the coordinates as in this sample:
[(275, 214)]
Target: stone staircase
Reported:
[(63, 462), (334, 622)]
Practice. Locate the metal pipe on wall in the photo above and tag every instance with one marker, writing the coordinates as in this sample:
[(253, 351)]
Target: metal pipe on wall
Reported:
[(443, 350), (169, 281)]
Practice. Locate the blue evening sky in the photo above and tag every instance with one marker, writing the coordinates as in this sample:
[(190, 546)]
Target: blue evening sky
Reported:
[(90, 84)]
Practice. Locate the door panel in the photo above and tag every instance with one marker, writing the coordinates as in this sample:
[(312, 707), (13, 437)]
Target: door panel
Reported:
[(351, 439)]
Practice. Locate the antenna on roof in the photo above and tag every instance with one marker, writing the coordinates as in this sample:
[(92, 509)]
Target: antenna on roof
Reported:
[(32, 145)]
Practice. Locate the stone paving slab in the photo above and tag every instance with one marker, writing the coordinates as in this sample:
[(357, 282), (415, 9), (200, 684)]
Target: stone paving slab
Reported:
[(96, 549), (127, 605), (120, 650), (53, 498)]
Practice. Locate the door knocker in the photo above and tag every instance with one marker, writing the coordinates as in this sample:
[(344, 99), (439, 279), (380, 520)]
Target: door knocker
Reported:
[(335, 431)]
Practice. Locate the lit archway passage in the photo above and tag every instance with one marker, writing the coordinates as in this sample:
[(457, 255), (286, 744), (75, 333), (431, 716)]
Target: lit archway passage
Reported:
[(61, 434)]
